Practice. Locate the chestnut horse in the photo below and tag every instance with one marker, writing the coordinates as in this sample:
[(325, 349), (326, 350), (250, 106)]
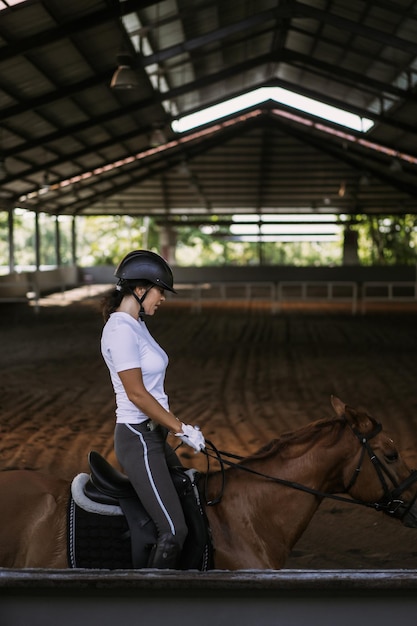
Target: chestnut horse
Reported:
[(264, 502)]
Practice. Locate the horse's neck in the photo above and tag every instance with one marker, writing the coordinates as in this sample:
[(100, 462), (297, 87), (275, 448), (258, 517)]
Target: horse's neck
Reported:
[(264, 516), (315, 459), (257, 522)]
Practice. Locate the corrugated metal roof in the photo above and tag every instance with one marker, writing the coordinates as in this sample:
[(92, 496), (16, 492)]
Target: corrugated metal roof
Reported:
[(61, 119)]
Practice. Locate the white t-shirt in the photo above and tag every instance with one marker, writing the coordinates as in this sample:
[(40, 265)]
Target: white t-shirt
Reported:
[(126, 344)]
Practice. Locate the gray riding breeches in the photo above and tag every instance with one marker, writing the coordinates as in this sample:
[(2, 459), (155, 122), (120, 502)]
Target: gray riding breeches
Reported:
[(146, 458)]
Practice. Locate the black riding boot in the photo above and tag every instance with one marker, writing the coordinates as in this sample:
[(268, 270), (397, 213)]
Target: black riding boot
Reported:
[(165, 554)]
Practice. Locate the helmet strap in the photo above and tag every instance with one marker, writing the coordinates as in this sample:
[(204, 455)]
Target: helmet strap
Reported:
[(142, 312)]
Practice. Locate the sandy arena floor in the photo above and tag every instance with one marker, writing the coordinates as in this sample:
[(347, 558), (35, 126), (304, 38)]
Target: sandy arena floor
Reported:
[(244, 377)]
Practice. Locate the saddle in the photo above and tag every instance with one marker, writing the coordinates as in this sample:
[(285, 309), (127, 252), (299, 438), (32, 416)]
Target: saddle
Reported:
[(109, 528)]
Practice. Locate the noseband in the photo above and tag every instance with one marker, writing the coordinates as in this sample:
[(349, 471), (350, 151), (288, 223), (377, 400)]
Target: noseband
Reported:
[(390, 503)]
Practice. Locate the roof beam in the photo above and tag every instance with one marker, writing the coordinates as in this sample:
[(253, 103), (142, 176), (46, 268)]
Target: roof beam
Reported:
[(304, 10), (304, 62), (63, 92), (157, 165), (215, 35), (79, 154), (194, 85), (350, 157), (53, 96), (112, 12), (376, 117), (209, 221), (133, 107)]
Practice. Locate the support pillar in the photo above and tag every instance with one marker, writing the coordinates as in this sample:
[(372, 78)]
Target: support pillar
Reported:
[(168, 243), (57, 242), (37, 242), (350, 247), (10, 219), (74, 240)]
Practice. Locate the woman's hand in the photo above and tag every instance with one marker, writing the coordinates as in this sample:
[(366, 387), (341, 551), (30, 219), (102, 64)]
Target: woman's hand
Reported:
[(192, 436)]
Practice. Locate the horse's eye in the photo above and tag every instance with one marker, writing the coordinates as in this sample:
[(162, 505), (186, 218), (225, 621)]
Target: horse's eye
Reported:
[(391, 457)]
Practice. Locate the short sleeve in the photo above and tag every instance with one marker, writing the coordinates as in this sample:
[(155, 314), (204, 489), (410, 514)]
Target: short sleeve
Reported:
[(123, 348)]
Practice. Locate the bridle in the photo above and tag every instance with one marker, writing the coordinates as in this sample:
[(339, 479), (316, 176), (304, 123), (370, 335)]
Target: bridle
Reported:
[(391, 502)]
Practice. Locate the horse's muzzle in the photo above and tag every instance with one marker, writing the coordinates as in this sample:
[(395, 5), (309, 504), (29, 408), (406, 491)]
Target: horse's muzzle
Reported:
[(405, 511), (410, 518)]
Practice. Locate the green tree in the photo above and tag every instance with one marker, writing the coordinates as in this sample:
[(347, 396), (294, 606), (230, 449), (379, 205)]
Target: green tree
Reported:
[(214, 245), (387, 240), (103, 240), (383, 240)]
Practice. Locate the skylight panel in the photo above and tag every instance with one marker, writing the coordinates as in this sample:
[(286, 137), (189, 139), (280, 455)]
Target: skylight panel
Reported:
[(6, 4), (280, 96), (287, 227)]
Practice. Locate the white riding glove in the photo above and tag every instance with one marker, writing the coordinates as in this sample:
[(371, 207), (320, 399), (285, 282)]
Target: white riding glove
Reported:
[(192, 436)]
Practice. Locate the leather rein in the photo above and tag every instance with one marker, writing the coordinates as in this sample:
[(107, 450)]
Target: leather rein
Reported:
[(390, 503)]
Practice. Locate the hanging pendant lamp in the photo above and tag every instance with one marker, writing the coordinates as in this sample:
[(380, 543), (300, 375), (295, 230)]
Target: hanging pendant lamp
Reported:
[(124, 77)]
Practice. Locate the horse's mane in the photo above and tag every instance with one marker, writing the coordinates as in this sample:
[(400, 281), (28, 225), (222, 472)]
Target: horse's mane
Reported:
[(306, 436)]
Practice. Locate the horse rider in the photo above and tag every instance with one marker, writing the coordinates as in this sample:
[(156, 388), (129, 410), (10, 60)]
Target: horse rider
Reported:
[(137, 366)]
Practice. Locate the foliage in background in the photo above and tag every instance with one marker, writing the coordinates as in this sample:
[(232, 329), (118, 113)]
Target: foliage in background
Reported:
[(387, 240), (383, 240), (48, 253), (4, 248), (198, 248), (104, 240)]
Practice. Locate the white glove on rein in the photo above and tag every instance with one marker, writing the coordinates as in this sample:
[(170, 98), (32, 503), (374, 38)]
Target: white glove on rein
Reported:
[(192, 436)]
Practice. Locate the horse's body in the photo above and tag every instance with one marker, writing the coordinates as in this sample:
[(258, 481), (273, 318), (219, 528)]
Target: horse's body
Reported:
[(258, 520)]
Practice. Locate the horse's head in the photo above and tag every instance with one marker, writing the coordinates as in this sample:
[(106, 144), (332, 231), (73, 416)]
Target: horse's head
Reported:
[(377, 474)]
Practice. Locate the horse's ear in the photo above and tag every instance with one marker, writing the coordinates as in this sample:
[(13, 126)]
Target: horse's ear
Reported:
[(352, 416), (359, 420), (338, 406)]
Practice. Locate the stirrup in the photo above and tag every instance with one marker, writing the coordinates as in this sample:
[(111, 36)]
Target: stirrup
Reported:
[(165, 553)]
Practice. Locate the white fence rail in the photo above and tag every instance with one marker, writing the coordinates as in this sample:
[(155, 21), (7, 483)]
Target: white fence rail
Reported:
[(318, 291), (28, 286), (227, 292), (19, 289), (277, 296), (269, 293), (388, 292), (294, 294)]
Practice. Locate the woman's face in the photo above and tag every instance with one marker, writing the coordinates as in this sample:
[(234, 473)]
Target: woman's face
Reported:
[(154, 298)]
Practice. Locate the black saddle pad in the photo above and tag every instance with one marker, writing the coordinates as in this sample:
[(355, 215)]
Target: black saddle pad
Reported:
[(98, 541), (104, 541)]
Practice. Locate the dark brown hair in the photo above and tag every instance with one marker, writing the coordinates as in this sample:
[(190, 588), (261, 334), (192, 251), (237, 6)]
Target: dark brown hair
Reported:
[(112, 300)]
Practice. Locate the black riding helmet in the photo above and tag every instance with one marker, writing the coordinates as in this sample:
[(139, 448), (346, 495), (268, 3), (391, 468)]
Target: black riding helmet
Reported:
[(146, 265)]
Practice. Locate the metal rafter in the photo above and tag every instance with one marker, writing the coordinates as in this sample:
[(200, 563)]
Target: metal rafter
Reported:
[(206, 51)]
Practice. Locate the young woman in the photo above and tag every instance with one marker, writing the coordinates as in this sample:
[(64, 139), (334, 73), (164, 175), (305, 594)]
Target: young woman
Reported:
[(137, 366)]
